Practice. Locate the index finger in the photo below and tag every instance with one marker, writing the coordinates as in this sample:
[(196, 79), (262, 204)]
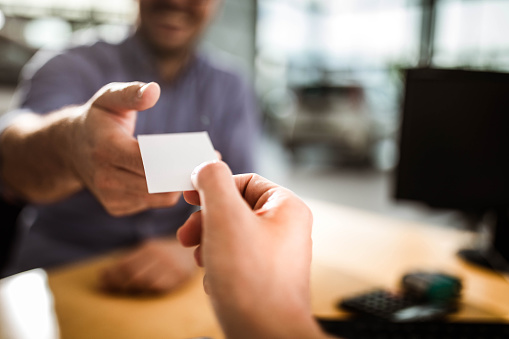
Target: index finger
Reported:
[(253, 188), (226, 198)]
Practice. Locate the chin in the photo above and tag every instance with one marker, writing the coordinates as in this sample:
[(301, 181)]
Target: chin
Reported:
[(168, 50), (169, 44)]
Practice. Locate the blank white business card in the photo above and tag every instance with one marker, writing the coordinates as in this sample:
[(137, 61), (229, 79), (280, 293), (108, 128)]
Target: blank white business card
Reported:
[(169, 159)]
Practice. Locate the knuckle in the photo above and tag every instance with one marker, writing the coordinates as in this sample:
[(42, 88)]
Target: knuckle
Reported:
[(104, 90), (256, 177), (113, 87), (126, 95), (128, 91), (124, 91)]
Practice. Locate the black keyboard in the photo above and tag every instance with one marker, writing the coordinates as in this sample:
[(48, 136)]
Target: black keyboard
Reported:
[(378, 329)]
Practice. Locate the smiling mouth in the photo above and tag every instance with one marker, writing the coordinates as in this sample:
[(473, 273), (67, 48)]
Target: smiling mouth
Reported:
[(169, 21), (169, 28)]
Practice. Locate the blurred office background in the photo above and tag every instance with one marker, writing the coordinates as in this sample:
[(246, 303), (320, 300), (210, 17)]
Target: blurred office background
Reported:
[(328, 74)]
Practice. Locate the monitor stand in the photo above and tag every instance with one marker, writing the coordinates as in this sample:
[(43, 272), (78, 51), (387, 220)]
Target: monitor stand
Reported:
[(494, 256)]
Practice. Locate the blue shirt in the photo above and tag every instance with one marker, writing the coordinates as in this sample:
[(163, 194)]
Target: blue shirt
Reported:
[(203, 97)]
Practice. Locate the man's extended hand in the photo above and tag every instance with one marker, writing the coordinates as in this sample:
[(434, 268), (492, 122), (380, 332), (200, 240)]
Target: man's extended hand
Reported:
[(155, 266), (254, 240), (46, 158), (106, 157)]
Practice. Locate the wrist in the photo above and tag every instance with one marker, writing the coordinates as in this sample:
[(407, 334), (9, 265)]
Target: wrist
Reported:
[(34, 150), (275, 328), (72, 136), (262, 321)]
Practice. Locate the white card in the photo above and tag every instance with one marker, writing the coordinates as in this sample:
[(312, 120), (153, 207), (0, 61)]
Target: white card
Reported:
[(169, 159)]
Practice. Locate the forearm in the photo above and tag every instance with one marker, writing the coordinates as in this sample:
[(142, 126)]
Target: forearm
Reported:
[(272, 324), (36, 156), (273, 313)]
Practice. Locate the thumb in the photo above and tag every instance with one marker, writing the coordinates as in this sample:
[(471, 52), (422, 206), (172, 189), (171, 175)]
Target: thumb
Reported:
[(125, 97), (221, 201)]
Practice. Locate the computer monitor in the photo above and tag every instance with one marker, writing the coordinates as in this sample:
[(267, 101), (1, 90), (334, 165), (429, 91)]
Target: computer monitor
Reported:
[(454, 148)]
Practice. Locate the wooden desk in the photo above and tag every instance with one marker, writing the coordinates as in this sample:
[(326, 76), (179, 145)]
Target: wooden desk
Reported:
[(84, 312), (352, 251), (355, 250)]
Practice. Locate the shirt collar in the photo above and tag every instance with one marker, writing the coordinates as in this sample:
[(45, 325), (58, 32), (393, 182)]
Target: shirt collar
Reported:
[(141, 58)]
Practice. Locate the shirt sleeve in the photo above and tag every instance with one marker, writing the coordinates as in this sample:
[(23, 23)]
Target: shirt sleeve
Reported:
[(51, 82), (242, 130)]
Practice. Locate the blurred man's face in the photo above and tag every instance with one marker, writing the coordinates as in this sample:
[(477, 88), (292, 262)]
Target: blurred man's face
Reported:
[(173, 26)]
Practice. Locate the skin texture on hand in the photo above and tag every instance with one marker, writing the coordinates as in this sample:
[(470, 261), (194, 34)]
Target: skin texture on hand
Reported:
[(48, 158), (155, 266), (107, 157), (34, 150), (254, 240)]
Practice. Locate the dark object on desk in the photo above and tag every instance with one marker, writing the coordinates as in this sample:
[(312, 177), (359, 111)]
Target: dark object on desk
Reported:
[(364, 329), (432, 287), (423, 296), (377, 303), (384, 305), (454, 150)]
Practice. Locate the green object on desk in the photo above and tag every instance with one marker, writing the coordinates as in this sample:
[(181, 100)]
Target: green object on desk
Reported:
[(432, 287)]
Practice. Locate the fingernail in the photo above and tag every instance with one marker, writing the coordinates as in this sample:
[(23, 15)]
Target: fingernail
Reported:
[(141, 90), (197, 169), (200, 166)]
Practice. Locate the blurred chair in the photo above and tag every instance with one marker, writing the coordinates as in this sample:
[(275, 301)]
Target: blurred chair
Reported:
[(336, 116)]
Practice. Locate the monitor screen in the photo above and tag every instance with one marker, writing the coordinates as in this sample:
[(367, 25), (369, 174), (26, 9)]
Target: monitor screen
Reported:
[(454, 142)]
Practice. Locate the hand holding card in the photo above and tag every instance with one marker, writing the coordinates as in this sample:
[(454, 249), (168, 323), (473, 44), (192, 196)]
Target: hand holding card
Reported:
[(169, 159)]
